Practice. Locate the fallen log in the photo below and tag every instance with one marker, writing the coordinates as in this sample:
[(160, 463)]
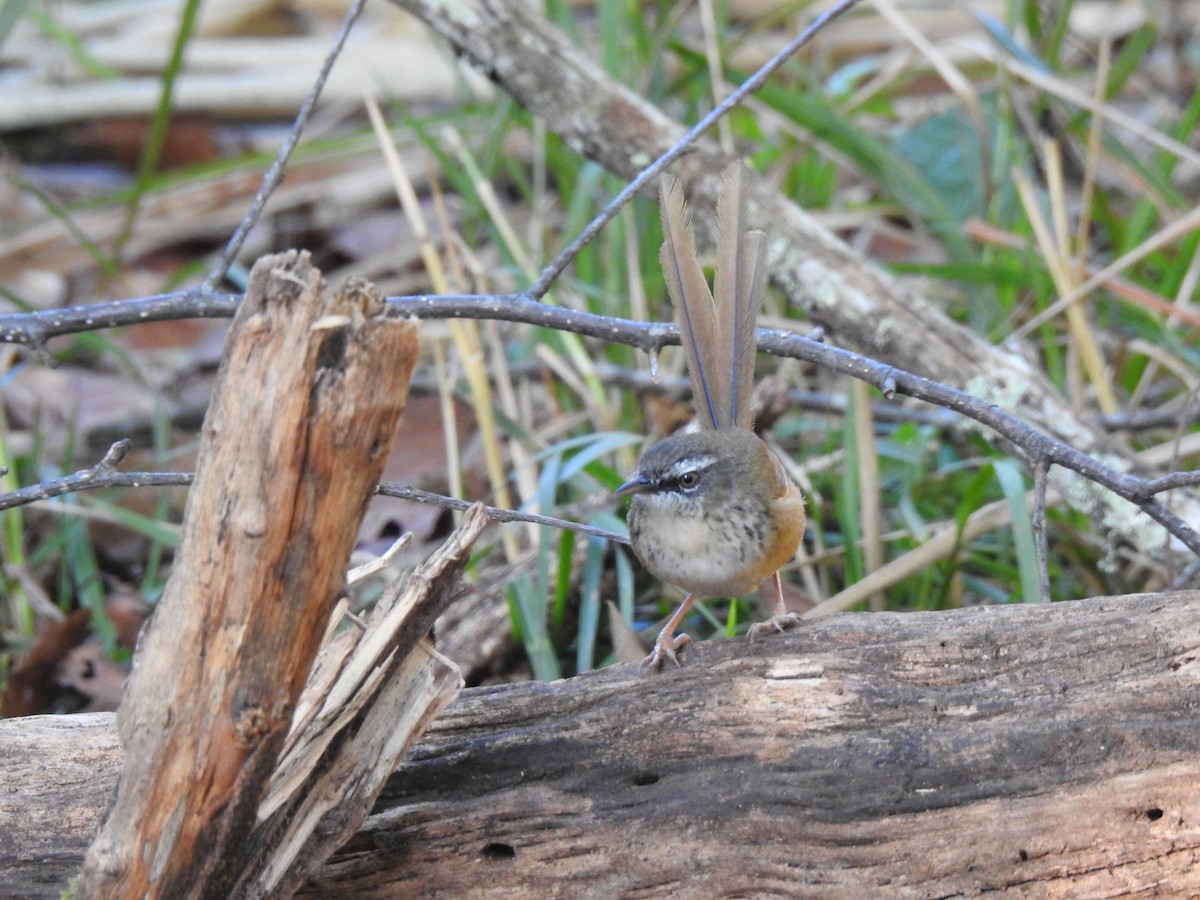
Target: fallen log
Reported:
[(1039, 750)]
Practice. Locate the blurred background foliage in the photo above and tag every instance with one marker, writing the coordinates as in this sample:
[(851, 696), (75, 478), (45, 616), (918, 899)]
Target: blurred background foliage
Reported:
[(959, 147)]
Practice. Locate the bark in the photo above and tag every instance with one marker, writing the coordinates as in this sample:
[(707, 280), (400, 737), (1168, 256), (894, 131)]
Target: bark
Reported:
[(1038, 750), (860, 305), (301, 421), (370, 695)]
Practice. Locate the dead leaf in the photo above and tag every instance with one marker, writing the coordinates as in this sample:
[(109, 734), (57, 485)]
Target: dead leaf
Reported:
[(418, 458), (31, 686)]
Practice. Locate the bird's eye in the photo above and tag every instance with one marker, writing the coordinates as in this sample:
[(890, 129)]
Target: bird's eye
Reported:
[(688, 479)]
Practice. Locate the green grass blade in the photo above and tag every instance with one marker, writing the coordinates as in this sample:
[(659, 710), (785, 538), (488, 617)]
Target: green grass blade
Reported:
[(528, 606), (849, 501), (74, 47), (104, 262), (1012, 484), (589, 604), (562, 579)]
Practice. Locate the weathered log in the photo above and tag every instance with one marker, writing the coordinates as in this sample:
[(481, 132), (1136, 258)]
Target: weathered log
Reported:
[(57, 776), (1040, 750)]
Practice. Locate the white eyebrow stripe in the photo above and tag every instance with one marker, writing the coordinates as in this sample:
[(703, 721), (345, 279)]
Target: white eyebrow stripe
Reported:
[(690, 464)]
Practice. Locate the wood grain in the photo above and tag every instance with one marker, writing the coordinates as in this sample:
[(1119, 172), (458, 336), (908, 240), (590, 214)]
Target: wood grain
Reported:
[(301, 421), (1033, 751), (1041, 750)]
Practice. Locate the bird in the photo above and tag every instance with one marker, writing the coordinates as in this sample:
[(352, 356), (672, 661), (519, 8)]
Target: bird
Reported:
[(713, 511)]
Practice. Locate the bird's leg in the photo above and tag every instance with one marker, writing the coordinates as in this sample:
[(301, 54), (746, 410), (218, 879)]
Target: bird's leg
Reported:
[(781, 617), (668, 642)]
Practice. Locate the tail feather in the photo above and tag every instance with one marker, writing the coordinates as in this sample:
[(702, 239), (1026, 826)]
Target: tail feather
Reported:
[(717, 328), (741, 275), (694, 308), (750, 298)]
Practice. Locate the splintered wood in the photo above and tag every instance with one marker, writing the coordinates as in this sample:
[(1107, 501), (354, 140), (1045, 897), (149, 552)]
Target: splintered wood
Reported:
[(301, 421)]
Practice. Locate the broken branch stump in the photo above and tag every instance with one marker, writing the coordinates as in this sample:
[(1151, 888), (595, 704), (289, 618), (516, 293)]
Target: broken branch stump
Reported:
[(301, 421)]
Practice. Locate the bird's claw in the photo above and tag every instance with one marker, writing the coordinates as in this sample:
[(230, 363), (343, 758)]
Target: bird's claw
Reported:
[(664, 649), (777, 624)]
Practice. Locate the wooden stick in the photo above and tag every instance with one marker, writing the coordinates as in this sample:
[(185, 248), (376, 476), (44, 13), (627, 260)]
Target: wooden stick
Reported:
[(302, 418)]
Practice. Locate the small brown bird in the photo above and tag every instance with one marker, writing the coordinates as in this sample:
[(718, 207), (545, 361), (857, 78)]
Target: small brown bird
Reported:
[(713, 511)]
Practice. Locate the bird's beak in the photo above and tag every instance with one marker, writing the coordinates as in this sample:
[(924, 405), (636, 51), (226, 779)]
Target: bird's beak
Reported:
[(638, 484)]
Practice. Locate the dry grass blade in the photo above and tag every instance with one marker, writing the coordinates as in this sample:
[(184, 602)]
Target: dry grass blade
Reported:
[(486, 193), (1078, 98), (465, 333), (524, 469), (870, 492), (1184, 308), (716, 76), (445, 384), (1178, 229), (1081, 330), (942, 544), (1179, 309), (1058, 260)]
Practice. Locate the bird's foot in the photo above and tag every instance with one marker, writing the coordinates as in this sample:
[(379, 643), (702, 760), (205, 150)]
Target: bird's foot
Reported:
[(665, 648), (777, 624)]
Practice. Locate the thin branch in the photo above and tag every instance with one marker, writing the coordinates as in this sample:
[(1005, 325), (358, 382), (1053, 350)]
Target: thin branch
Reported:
[(34, 329), (1170, 483), (1144, 420), (650, 336), (102, 474), (274, 175), (496, 514), (681, 146), (90, 479), (105, 475), (1188, 577)]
